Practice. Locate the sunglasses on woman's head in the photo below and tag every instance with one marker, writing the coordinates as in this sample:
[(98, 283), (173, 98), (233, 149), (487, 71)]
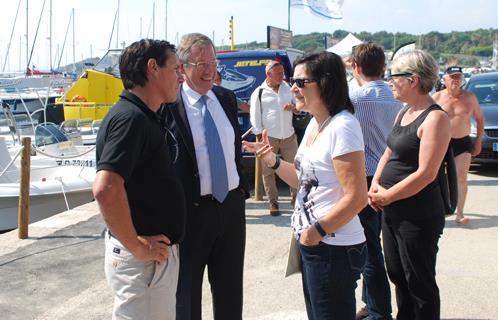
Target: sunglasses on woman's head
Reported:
[(300, 83)]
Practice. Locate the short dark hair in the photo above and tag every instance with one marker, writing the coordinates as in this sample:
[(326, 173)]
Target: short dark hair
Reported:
[(371, 58), (328, 70), (133, 61)]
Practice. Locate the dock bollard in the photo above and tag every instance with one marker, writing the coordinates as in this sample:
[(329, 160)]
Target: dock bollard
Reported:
[(23, 210)]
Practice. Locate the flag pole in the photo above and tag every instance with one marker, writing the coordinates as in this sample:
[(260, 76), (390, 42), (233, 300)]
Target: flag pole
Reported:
[(288, 15)]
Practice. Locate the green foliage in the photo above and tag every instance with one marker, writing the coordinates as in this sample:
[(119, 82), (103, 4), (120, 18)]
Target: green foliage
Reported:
[(466, 47)]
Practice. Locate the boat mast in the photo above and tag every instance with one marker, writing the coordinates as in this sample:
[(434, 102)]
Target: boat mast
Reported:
[(74, 47), (117, 27), (166, 21), (27, 29), (10, 40), (50, 38)]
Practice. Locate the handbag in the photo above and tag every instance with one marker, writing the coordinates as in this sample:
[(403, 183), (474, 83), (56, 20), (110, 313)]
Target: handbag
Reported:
[(448, 182), (294, 258)]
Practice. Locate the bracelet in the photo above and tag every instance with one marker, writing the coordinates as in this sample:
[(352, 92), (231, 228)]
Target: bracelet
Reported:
[(319, 228), (277, 163)]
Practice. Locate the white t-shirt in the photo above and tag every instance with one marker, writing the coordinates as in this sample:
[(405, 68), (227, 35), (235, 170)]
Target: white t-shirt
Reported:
[(319, 189)]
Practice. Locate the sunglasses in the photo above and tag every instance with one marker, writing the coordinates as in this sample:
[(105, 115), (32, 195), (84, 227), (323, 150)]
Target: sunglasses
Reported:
[(300, 83), (399, 74)]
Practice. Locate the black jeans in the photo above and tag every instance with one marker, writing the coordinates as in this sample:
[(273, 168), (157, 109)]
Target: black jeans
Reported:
[(410, 249), (376, 292), (329, 275)]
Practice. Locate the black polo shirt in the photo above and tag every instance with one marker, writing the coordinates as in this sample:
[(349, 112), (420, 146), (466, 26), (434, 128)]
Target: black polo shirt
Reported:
[(131, 142)]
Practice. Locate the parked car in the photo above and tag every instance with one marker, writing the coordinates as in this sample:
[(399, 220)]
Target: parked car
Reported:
[(485, 87)]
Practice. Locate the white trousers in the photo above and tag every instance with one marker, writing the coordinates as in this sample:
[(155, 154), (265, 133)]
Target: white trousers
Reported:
[(142, 290)]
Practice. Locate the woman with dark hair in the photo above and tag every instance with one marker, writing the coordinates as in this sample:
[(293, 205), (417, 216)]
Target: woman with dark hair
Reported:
[(329, 174), (406, 187)]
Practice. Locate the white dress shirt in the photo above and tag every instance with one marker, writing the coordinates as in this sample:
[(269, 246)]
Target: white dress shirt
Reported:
[(225, 131), (271, 115)]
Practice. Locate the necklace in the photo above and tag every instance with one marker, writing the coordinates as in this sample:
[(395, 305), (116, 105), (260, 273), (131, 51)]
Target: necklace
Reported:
[(321, 126)]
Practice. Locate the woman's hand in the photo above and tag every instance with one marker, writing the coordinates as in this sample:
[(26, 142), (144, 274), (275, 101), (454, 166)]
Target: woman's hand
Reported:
[(310, 237), (262, 149), (378, 197), (374, 188)]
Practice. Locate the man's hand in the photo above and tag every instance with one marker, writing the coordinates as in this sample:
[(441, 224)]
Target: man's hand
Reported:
[(476, 149), (152, 248), (290, 107)]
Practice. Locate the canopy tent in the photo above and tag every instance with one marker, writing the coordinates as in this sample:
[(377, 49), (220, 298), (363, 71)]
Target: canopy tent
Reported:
[(344, 47)]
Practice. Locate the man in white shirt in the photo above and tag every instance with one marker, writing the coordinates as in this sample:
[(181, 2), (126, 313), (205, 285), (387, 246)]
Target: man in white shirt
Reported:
[(205, 126), (272, 106)]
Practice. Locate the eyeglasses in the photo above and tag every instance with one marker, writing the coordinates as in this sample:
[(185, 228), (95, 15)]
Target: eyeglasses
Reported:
[(390, 76), (172, 143), (203, 64), (300, 83)]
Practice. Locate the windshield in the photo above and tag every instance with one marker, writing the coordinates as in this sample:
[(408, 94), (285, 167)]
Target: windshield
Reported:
[(48, 133), (110, 63), (485, 90)]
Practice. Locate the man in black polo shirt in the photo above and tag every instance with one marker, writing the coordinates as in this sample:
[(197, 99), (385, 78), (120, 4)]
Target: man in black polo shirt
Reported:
[(136, 187)]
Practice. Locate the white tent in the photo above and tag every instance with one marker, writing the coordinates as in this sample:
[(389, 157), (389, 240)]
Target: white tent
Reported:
[(344, 47)]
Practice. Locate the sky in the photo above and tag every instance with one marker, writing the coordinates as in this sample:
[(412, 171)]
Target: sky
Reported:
[(94, 21)]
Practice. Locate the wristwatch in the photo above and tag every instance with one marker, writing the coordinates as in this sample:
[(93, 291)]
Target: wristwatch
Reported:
[(319, 228)]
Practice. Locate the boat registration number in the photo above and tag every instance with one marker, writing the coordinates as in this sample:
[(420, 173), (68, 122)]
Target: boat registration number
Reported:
[(495, 146), (81, 163)]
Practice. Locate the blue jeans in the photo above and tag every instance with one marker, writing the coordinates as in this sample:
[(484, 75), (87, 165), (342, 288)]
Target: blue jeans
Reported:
[(329, 275), (376, 292)]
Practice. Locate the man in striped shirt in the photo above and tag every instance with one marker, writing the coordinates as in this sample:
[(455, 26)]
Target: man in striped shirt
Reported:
[(376, 109)]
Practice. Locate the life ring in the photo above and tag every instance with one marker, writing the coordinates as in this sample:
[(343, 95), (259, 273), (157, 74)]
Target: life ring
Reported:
[(78, 98)]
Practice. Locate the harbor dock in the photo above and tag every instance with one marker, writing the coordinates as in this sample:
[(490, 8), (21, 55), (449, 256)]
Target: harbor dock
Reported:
[(57, 273)]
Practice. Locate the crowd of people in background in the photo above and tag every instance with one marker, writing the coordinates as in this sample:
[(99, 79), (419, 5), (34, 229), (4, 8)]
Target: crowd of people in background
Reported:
[(172, 193)]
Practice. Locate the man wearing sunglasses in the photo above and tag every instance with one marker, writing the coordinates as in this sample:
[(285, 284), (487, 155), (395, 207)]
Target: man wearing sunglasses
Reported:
[(272, 106), (461, 105), (376, 109)]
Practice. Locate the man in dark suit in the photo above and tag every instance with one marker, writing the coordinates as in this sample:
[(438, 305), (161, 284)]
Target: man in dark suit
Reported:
[(205, 126)]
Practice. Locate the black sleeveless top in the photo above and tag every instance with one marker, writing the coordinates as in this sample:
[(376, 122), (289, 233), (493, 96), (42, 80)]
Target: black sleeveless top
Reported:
[(405, 146)]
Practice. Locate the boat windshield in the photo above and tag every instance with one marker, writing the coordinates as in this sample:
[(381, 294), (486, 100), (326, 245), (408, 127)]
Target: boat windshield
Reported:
[(48, 133), (110, 62)]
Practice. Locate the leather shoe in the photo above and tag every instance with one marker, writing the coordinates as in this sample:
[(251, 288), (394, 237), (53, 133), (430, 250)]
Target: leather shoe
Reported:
[(362, 314), (274, 211)]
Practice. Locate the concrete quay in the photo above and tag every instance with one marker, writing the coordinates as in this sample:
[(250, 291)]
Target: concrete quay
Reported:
[(57, 273)]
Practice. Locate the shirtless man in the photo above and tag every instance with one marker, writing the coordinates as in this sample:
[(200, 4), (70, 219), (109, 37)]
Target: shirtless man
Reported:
[(461, 105)]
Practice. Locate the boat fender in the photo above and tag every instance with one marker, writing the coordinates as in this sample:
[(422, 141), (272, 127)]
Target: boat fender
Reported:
[(78, 98)]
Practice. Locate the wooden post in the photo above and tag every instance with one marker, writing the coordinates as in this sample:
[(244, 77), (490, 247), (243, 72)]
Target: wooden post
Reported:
[(23, 211)]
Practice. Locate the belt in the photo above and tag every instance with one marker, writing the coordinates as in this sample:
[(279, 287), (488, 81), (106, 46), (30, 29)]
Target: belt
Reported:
[(208, 197), (109, 234)]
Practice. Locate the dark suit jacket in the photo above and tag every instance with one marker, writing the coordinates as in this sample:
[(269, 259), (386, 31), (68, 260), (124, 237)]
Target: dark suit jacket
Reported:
[(175, 117)]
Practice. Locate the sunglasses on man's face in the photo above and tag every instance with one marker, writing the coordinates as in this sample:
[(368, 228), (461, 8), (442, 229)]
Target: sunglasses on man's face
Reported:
[(300, 83)]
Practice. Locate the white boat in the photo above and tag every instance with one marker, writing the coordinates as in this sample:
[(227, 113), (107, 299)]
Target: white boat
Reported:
[(52, 189)]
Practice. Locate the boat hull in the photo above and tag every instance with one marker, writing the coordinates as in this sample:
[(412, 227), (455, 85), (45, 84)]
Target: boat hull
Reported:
[(40, 207)]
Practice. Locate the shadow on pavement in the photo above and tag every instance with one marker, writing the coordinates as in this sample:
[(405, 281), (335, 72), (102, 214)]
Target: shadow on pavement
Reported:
[(485, 170), (477, 221), (483, 183)]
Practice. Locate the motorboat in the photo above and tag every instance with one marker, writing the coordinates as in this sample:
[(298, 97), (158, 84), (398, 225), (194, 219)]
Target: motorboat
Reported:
[(52, 189)]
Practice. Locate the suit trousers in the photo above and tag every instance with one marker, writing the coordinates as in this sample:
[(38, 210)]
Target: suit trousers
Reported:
[(215, 237), (287, 148)]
